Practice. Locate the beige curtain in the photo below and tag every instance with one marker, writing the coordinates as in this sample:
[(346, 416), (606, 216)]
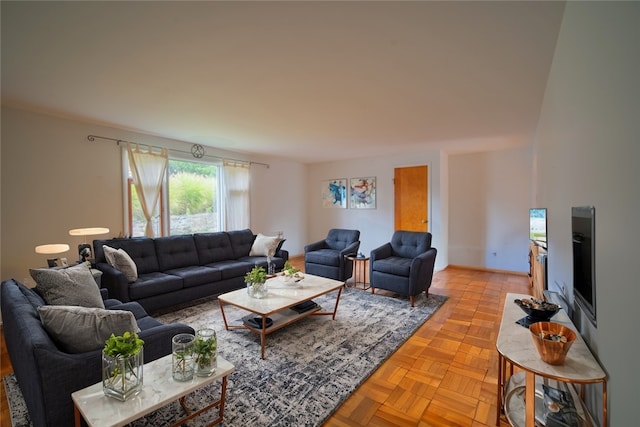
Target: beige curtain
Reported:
[(236, 190), (148, 169)]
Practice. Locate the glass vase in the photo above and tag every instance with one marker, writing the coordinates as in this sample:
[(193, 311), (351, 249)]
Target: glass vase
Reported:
[(206, 352), (122, 376), (182, 360), (257, 290)]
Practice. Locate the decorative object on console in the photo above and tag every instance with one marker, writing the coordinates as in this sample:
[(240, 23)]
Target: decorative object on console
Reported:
[(53, 249), (84, 249), (122, 363), (256, 281), (537, 310), (552, 340)]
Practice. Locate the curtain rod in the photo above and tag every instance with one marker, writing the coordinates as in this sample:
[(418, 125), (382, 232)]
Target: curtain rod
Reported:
[(197, 150)]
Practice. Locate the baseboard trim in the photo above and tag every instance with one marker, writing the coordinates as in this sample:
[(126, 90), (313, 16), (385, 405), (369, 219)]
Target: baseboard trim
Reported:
[(488, 270)]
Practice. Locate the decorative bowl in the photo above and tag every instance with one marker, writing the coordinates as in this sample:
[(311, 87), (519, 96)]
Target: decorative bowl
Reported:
[(552, 340), (537, 310)]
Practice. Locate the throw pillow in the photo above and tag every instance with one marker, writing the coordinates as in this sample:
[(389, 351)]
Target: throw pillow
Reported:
[(68, 286), (82, 329), (121, 260), (264, 245)]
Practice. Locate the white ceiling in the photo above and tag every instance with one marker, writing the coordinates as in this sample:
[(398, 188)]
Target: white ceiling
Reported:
[(310, 81)]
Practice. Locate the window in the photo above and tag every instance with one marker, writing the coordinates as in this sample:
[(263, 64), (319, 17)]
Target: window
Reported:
[(192, 199)]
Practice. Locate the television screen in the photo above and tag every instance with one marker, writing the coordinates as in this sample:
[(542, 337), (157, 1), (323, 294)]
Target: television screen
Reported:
[(583, 243), (538, 226)]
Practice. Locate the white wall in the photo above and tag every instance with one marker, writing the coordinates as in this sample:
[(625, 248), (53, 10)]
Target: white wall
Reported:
[(587, 153), (376, 225), (54, 179), (489, 209)]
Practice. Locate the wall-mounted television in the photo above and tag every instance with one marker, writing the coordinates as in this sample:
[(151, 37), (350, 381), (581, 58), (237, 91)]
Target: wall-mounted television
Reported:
[(583, 233), (538, 226)]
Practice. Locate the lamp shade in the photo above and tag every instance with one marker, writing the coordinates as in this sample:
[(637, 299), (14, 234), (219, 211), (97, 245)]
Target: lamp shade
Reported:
[(91, 231), (52, 248)]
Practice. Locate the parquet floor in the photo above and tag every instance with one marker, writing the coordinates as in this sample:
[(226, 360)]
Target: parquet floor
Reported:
[(444, 375)]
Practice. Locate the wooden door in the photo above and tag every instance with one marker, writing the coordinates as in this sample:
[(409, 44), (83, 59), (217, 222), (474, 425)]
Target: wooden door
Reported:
[(411, 193)]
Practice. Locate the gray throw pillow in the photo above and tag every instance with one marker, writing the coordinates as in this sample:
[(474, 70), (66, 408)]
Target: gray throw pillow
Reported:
[(82, 329), (121, 260), (68, 286)]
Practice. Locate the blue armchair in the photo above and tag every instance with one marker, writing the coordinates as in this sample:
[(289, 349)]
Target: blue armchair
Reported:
[(404, 265), (328, 257)]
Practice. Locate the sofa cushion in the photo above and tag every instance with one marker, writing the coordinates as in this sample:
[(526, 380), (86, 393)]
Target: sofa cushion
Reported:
[(410, 244), (324, 256), (213, 247), (141, 249), (81, 329), (241, 241), (120, 260), (398, 266), (264, 245), (196, 275), (232, 268), (68, 286), (176, 252), (153, 284)]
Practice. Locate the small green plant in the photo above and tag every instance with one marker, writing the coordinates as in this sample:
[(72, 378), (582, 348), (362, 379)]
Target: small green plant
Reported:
[(289, 269), (256, 275), (205, 350), (124, 345)]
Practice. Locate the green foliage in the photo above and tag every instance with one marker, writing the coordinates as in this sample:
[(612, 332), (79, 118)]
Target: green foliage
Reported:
[(205, 349), (123, 345), (202, 169), (256, 275), (190, 194), (289, 269)]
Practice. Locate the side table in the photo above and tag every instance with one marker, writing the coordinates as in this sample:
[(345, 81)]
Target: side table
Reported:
[(159, 389), (360, 271)]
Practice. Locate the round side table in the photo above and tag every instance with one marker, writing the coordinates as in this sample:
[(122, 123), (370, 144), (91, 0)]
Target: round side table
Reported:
[(360, 271)]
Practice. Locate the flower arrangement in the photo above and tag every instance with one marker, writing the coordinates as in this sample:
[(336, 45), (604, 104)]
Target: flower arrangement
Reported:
[(122, 360)]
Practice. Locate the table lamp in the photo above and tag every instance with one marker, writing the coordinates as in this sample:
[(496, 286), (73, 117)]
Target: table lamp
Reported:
[(84, 249), (51, 249)]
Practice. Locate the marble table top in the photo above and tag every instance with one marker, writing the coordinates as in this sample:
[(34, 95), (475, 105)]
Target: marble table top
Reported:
[(158, 390), (516, 344)]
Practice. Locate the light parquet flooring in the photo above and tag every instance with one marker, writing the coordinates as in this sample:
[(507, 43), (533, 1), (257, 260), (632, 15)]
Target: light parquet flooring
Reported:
[(444, 375)]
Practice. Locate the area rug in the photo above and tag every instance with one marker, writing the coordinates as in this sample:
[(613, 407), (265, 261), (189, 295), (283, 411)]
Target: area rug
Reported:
[(310, 367)]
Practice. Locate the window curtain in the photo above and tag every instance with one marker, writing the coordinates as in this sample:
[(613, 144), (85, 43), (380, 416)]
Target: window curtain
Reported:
[(148, 169), (236, 191)]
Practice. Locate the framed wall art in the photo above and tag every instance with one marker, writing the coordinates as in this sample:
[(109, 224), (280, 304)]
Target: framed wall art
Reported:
[(334, 193), (362, 192)]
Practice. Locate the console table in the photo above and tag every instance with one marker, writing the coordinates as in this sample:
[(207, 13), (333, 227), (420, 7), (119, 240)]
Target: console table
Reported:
[(516, 349)]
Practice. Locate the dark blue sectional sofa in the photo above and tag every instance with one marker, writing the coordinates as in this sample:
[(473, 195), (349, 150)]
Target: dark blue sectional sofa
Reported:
[(178, 269)]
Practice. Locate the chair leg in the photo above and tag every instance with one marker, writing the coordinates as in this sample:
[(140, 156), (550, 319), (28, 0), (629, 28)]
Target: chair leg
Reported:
[(411, 300)]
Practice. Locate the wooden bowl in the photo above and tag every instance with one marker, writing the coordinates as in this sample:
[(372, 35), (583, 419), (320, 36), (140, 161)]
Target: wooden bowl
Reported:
[(552, 340)]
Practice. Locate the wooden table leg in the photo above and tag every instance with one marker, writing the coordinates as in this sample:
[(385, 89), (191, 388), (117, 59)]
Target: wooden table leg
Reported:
[(530, 399)]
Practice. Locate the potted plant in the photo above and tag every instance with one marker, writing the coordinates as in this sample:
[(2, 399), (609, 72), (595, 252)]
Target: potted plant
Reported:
[(256, 281), (290, 273), (205, 351), (122, 361)]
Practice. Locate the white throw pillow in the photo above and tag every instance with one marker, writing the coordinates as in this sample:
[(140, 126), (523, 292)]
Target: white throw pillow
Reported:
[(264, 245), (120, 260), (82, 329), (74, 285)]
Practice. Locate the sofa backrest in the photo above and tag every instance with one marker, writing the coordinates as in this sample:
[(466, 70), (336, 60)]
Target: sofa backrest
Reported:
[(176, 252), (409, 244), (339, 239), (213, 247), (241, 242), (141, 249)]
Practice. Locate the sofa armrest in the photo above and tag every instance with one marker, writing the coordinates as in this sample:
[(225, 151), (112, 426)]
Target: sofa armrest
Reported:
[(350, 250), (380, 252), (282, 253), (114, 281), (321, 244)]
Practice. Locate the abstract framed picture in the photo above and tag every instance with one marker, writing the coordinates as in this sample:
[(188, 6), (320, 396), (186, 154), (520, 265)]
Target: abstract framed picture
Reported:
[(334, 193), (362, 192)]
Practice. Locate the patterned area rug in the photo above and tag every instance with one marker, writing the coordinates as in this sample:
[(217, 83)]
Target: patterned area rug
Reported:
[(310, 367)]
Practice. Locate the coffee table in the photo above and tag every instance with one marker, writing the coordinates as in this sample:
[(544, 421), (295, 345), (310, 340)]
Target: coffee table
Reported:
[(277, 305), (159, 389)]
